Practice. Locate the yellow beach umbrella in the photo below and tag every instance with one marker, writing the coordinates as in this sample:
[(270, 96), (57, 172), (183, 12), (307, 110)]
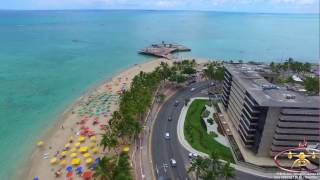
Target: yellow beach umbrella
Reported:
[(67, 145), (40, 143), (72, 150), (63, 153), (63, 162), (89, 161), (77, 144), (81, 138), (75, 161), (93, 138), (126, 149), (91, 145), (83, 149), (73, 155), (53, 160), (95, 150), (70, 139), (86, 155)]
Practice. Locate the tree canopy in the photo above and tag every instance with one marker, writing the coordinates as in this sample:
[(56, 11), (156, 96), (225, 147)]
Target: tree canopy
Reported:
[(214, 71), (312, 84)]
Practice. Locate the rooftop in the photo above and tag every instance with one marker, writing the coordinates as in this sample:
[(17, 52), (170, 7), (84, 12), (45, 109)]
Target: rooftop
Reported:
[(266, 93)]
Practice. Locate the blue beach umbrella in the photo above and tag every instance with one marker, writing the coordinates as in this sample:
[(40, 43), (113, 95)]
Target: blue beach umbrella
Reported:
[(69, 168), (35, 178), (79, 169)]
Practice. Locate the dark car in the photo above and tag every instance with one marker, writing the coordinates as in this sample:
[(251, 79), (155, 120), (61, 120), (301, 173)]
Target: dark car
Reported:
[(169, 118), (176, 103)]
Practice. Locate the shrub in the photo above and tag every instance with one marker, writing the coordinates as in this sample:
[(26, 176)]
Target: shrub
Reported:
[(205, 113), (213, 134), (210, 121)]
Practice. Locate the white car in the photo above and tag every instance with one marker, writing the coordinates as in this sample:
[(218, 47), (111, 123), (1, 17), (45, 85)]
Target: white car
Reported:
[(192, 89), (173, 162), (167, 135), (193, 155)]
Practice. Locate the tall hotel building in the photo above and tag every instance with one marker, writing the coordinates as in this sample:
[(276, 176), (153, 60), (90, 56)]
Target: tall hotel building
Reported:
[(268, 119)]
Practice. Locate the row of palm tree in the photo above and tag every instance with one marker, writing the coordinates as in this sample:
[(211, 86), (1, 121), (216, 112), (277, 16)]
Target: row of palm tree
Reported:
[(292, 65), (126, 123), (214, 71), (211, 168)]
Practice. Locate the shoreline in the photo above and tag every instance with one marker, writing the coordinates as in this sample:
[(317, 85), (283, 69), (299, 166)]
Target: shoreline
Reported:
[(31, 164)]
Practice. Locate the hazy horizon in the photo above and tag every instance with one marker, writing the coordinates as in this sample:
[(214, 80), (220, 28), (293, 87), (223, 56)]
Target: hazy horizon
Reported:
[(252, 6), (217, 11)]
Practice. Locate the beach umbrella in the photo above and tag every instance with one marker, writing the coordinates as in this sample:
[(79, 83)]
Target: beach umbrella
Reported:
[(87, 174), (63, 162), (72, 150), (69, 175), (126, 149), (73, 155), (63, 153), (86, 155), (95, 150), (83, 149), (75, 161), (79, 170), (89, 161), (70, 139), (91, 145), (77, 144), (93, 138), (35, 178), (53, 160), (67, 145), (40, 143), (69, 168), (81, 138)]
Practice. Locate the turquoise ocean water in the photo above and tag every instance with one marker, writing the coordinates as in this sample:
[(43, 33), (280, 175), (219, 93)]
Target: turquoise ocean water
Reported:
[(48, 58)]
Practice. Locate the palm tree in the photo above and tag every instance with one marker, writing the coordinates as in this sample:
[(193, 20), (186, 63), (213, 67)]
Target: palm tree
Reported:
[(122, 170), (109, 139), (197, 166), (104, 169), (213, 167), (227, 171), (209, 72)]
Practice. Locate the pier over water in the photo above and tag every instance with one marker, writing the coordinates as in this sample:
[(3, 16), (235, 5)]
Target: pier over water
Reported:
[(163, 50)]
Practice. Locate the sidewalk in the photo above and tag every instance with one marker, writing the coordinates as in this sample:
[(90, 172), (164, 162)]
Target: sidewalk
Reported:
[(142, 158)]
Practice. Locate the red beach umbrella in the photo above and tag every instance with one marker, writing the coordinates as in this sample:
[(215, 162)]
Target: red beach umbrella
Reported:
[(69, 175), (87, 175)]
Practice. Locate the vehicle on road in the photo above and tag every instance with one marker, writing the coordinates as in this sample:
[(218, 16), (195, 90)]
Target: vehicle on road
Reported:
[(169, 118), (176, 103), (193, 155), (173, 162), (167, 135), (192, 89)]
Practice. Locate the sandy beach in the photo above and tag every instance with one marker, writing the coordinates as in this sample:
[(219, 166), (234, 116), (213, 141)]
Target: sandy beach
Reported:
[(69, 138)]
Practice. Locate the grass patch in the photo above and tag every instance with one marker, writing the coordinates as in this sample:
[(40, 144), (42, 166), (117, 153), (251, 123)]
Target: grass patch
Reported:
[(197, 136)]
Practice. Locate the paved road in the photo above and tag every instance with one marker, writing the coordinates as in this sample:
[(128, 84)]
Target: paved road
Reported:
[(163, 150)]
